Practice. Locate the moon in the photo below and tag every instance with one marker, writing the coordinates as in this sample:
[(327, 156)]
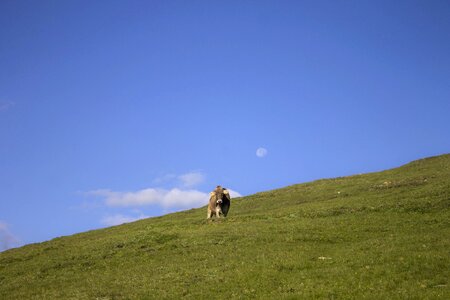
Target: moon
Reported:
[(261, 152)]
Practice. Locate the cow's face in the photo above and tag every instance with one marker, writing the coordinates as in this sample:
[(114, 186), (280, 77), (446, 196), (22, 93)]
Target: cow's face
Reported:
[(219, 194)]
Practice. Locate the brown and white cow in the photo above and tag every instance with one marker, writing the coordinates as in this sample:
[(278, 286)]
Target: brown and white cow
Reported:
[(219, 202)]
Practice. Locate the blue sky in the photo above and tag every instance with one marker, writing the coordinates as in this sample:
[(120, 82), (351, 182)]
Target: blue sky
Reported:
[(112, 111)]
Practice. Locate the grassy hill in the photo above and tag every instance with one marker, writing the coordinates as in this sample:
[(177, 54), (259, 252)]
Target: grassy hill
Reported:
[(382, 235)]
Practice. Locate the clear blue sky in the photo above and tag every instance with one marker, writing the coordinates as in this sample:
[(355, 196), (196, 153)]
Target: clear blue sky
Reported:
[(116, 110)]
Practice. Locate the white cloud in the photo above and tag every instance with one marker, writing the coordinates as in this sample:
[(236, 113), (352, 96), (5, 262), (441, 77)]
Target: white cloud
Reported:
[(174, 198), (191, 179), (118, 219), (138, 198), (185, 198), (234, 194), (168, 199), (181, 197), (261, 152), (7, 239), (5, 105)]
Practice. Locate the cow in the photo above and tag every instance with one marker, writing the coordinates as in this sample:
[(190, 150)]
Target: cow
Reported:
[(219, 202)]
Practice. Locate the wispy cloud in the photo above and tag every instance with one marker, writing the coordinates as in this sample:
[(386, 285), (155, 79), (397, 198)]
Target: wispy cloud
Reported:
[(187, 180), (5, 105), (191, 179), (7, 239), (118, 219), (164, 179)]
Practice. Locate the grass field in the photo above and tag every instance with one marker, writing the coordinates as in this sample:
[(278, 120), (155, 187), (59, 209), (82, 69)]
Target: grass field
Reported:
[(382, 235)]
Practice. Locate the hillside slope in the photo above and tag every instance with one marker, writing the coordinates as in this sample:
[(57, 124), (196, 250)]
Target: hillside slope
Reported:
[(382, 235)]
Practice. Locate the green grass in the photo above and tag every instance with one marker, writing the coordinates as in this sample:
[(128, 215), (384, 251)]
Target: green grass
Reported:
[(382, 235)]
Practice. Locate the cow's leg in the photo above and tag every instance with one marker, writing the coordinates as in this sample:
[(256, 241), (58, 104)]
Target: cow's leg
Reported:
[(217, 212), (208, 214)]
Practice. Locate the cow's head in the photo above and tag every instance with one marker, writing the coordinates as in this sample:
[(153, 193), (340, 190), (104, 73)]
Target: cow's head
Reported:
[(219, 194)]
